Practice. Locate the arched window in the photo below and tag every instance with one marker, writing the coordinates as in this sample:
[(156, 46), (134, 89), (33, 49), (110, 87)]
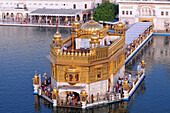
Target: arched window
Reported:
[(153, 12), (66, 77), (139, 12), (74, 6), (71, 77), (77, 77), (150, 13), (85, 6), (99, 75)]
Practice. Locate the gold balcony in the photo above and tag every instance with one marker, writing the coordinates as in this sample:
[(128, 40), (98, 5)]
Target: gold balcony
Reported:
[(72, 75)]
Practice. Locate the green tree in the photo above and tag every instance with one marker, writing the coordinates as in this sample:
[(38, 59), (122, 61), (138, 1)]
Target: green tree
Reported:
[(106, 12)]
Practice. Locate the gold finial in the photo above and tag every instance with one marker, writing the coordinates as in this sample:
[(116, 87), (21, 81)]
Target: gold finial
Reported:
[(57, 35), (91, 15)]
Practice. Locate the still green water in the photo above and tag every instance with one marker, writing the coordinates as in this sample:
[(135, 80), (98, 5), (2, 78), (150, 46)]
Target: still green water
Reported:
[(24, 49)]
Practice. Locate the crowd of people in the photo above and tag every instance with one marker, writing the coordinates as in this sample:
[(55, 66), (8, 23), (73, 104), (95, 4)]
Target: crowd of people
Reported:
[(46, 87), (72, 99)]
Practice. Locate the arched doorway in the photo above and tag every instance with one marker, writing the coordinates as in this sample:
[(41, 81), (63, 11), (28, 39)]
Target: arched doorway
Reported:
[(77, 96), (3, 15), (73, 95), (19, 16), (12, 16), (69, 98), (84, 17), (26, 16), (145, 21), (7, 15), (78, 17)]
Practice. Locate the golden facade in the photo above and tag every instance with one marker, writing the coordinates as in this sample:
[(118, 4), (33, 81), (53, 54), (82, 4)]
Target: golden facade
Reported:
[(92, 64)]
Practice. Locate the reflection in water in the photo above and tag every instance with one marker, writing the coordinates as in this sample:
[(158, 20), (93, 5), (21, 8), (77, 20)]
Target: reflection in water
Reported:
[(36, 103), (39, 101)]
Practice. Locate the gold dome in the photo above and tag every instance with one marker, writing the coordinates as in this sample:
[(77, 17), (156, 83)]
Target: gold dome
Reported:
[(57, 35), (107, 27), (91, 26), (120, 24), (94, 37), (76, 23)]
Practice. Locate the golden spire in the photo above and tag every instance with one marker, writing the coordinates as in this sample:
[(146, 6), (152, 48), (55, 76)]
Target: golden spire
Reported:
[(91, 15), (57, 35)]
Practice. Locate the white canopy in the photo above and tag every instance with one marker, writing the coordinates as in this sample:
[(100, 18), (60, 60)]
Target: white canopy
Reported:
[(56, 12), (133, 32)]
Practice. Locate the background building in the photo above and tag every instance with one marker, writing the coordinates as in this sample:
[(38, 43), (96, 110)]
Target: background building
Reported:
[(158, 12), (21, 9)]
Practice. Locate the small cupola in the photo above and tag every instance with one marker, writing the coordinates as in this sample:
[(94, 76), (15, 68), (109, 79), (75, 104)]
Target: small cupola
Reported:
[(57, 41), (94, 43)]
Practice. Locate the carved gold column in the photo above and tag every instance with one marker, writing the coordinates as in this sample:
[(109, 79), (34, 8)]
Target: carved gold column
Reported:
[(54, 71)]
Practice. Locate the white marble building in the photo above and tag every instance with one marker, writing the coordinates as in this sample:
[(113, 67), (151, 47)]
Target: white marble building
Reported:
[(131, 11), (12, 9)]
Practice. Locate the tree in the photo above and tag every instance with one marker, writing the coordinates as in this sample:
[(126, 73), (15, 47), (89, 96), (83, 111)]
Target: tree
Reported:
[(106, 12)]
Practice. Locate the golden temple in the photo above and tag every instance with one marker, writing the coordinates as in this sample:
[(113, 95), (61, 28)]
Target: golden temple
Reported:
[(90, 61), (88, 68)]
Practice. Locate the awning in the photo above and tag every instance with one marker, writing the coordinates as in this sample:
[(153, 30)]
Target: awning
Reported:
[(137, 29), (56, 12)]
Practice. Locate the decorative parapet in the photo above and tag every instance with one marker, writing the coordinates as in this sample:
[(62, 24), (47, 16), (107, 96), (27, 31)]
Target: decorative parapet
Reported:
[(88, 34), (116, 45), (85, 58), (100, 53), (69, 57)]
